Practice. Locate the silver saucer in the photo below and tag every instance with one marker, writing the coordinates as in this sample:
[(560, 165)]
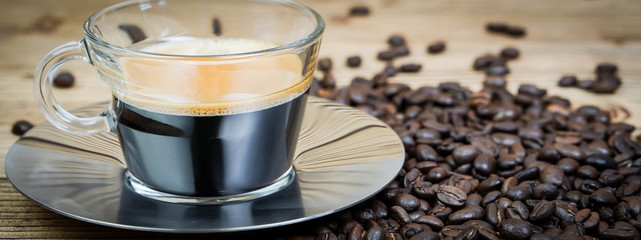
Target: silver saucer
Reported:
[(343, 157)]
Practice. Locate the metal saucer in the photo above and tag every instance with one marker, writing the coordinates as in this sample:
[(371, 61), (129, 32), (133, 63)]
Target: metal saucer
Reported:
[(344, 156)]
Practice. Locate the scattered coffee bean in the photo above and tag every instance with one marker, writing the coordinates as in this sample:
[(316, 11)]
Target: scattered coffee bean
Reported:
[(568, 81), (510, 30), (410, 67), (325, 64), (217, 28), (436, 47), (136, 34), (396, 41), (20, 127), (359, 11), (354, 61), (510, 53), (64, 80)]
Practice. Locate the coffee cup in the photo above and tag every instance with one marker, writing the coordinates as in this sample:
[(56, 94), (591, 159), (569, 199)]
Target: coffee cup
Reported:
[(208, 95)]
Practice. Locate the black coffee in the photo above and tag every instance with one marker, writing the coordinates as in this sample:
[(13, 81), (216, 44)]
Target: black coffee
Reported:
[(209, 155)]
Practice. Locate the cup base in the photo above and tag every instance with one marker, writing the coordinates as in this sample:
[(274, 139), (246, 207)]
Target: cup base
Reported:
[(144, 190)]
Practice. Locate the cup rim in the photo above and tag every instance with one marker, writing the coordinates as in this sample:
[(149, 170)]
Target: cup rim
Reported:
[(278, 50)]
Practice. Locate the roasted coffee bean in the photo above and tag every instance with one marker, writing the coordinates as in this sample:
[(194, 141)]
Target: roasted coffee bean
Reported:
[(440, 211), (545, 191), (464, 154), (491, 197), (585, 84), (400, 51), (617, 234), (386, 55), (567, 81), (494, 214), (135, 33), (359, 11), (20, 127), (552, 174), (399, 213), (467, 213), (497, 27), (216, 26), (388, 225), (425, 235), (542, 211), (510, 53), (362, 215), (515, 31), (568, 165), (396, 40), (426, 153), (521, 209), (325, 64), (601, 161), (432, 221), (436, 47), (528, 174), (63, 80), (622, 212), (602, 196), (515, 228), (328, 81), (518, 193), (468, 234), (564, 210), (497, 70), (354, 61), (390, 71), (410, 67), (484, 164), (452, 196), (411, 229), (407, 202), (588, 172)]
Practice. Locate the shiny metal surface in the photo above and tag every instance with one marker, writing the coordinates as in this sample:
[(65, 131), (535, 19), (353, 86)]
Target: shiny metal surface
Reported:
[(343, 157)]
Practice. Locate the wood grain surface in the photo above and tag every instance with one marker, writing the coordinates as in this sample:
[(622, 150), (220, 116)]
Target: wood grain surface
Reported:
[(563, 37)]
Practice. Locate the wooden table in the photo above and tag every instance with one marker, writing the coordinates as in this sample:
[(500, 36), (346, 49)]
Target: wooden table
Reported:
[(563, 37)]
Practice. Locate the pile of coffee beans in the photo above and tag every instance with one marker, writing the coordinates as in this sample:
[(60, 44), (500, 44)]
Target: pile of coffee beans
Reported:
[(493, 165), (496, 64), (607, 80)]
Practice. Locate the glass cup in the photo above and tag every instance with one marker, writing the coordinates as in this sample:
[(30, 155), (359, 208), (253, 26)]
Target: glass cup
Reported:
[(208, 95)]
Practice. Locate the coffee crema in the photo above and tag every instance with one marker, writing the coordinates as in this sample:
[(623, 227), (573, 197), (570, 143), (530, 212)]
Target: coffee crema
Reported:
[(206, 82)]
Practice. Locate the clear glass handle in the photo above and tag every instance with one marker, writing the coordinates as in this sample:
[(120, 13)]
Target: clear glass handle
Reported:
[(56, 114)]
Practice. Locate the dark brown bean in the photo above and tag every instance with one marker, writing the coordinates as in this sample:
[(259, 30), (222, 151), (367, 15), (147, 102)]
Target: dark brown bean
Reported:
[(542, 211), (325, 64), (21, 127), (216, 26), (410, 67), (436, 47), (396, 40), (359, 11), (64, 80), (567, 81), (515, 228), (510, 53), (135, 33), (407, 201), (354, 61), (452, 196)]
